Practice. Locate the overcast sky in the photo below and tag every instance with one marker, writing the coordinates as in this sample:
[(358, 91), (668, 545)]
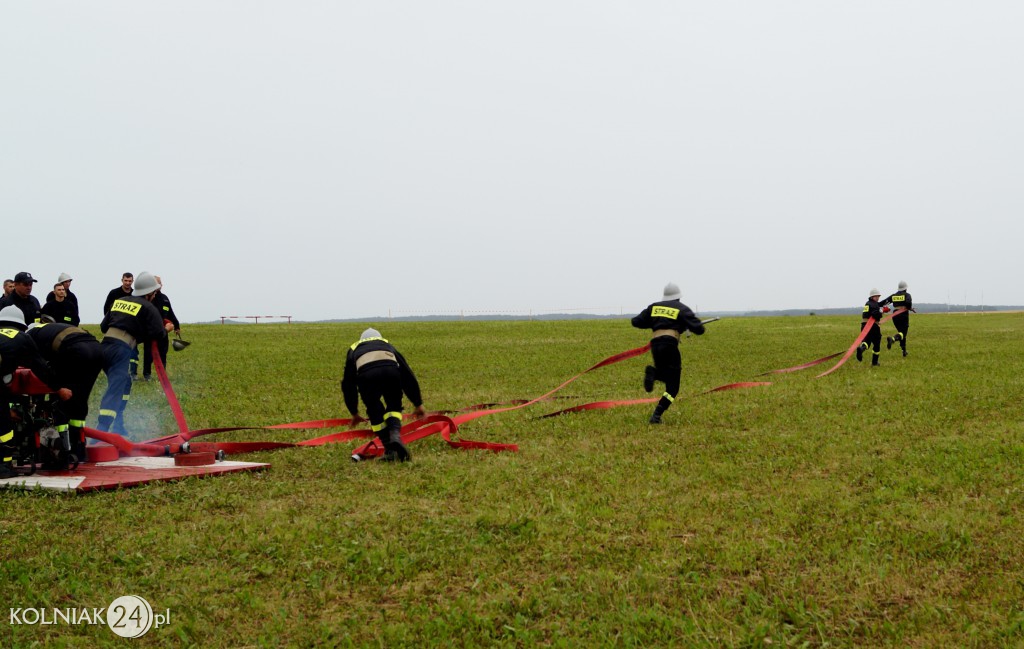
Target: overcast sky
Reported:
[(345, 159)]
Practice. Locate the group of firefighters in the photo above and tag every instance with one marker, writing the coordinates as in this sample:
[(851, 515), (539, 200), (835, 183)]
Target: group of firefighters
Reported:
[(68, 360)]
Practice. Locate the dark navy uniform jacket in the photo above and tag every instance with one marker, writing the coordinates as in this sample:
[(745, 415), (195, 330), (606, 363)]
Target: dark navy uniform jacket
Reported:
[(668, 314), (370, 353), (137, 316)]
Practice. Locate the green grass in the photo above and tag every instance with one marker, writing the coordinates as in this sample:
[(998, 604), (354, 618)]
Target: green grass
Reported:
[(873, 507)]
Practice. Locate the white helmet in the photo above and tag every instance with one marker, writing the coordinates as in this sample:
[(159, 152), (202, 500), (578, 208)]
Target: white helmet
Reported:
[(902, 285), (13, 315), (145, 284), (63, 278), (369, 333), (671, 292), (874, 292)]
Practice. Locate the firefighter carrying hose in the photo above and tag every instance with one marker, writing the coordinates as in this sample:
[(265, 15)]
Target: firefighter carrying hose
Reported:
[(18, 350), (872, 309), (132, 319), (668, 318), (900, 300), (76, 358), (378, 372)]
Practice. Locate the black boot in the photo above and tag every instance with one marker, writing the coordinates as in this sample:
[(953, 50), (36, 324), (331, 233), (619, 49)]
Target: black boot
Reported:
[(888, 342), (649, 379), (656, 417), (395, 450), (860, 352), (7, 470)]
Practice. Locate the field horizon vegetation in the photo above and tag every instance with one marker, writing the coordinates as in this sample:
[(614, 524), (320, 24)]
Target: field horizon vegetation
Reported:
[(873, 507)]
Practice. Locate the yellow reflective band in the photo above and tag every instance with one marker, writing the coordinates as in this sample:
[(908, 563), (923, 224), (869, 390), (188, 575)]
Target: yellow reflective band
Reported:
[(8, 459), (123, 306), (167, 308), (366, 340), (62, 428), (76, 422), (670, 398), (866, 308), (396, 415), (6, 437), (665, 312), (10, 333), (124, 397), (107, 413), (377, 427)]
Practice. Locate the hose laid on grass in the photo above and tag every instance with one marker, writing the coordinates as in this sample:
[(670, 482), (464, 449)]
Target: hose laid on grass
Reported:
[(435, 423)]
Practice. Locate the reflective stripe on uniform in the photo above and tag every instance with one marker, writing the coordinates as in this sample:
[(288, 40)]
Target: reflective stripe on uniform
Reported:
[(6, 437), (366, 340), (377, 427), (374, 356), (665, 312), (668, 396), (62, 428), (107, 413), (120, 334), (79, 423), (396, 415)]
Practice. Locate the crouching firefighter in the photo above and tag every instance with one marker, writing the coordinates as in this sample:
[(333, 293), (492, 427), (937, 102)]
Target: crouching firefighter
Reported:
[(131, 320), (668, 319), (379, 373), (18, 350), (76, 358)]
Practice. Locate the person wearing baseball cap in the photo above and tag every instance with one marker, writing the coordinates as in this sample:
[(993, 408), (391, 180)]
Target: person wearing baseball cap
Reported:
[(22, 297)]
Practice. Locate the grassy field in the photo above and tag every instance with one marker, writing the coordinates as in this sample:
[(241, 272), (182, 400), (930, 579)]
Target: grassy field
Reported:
[(874, 507)]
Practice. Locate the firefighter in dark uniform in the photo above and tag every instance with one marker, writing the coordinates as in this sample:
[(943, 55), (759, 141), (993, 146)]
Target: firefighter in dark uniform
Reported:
[(76, 358), (669, 319), (61, 308), (872, 309), (131, 320), (64, 280), (124, 290), (163, 305), (22, 297), (18, 350), (900, 300), (378, 371)]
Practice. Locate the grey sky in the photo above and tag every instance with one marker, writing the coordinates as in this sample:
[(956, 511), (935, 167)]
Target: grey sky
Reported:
[(343, 159)]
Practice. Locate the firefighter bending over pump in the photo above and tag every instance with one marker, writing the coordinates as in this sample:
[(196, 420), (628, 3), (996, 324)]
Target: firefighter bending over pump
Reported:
[(18, 349), (76, 358), (379, 372)]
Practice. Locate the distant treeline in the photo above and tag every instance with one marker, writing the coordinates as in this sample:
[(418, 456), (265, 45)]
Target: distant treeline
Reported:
[(854, 310)]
